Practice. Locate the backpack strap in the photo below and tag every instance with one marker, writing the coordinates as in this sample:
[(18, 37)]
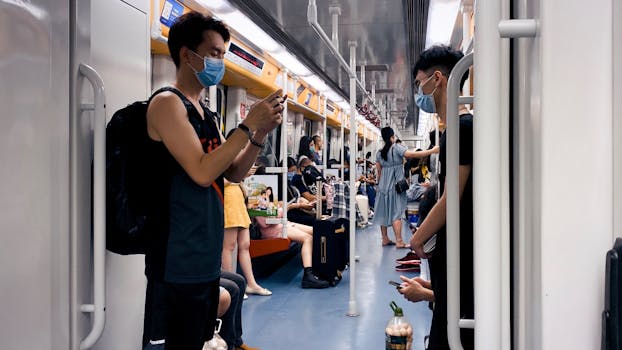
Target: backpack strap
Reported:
[(214, 116), (183, 98)]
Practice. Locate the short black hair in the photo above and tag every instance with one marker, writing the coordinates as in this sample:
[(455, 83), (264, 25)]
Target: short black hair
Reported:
[(439, 57), (291, 162), (188, 31)]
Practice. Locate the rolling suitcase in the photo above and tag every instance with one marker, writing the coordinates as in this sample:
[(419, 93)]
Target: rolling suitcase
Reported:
[(330, 247)]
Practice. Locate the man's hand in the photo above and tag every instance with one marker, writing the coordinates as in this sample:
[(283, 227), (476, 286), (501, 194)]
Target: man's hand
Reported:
[(417, 245), (416, 289), (265, 115), (306, 206)]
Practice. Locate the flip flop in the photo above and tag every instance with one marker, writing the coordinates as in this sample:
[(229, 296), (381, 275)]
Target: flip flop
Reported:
[(388, 243), (402, 246)]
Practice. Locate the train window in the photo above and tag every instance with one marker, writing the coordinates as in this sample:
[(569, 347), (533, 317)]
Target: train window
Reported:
[(307, 130), (327, 141)]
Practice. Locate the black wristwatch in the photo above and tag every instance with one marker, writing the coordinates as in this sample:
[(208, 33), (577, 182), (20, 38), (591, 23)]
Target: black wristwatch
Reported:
[(246, 130)]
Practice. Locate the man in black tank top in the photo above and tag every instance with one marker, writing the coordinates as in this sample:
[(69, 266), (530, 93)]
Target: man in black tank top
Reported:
[(430, 75), (188, 160)]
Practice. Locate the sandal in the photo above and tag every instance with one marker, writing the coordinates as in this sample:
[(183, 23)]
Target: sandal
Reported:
[(389, 242), (402, 245)]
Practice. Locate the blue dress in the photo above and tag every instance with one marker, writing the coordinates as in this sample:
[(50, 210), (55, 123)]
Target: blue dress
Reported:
[(390, 205)]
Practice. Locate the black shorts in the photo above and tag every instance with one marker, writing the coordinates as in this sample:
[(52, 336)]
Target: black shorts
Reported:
[(183, 315)]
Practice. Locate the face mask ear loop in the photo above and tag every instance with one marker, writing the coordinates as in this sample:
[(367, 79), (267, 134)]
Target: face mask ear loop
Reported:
[(199, 56)]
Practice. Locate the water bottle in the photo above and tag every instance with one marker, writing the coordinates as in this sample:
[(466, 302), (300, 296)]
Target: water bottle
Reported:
[(398, 333)]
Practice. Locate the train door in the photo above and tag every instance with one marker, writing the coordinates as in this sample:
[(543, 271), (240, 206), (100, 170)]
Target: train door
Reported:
[(34, 191), (120, 53), (113, 38), (543, 211)]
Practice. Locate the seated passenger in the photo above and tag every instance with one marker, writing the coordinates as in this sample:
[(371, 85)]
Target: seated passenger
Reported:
[(301, 210), (305, 148), (231, 329), (317, 149), (298, 233)]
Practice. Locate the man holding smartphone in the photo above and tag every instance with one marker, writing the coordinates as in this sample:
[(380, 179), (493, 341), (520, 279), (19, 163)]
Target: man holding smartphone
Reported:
[(188, 161)]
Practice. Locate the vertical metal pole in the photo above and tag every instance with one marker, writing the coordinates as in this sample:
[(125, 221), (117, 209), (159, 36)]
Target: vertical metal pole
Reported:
[(352, 311), (487, 187), (363, 80), (284, 154), (365, 155), (335, 11), (324, 140), (373, 90), (342, 144)]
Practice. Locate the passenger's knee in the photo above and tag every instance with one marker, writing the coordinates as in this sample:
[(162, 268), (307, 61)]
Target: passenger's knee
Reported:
[(224, 301)]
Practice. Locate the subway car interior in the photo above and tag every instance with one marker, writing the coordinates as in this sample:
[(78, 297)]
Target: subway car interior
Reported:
[(541, 101)]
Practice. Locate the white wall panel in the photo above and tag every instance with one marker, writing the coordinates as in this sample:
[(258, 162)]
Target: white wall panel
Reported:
[(34, 174), (576, 170)]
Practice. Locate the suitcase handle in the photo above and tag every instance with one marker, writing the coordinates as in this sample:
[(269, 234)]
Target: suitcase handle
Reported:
[(318, 199)]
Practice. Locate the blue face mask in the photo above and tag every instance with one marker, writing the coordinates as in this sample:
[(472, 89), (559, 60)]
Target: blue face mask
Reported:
[(213, 71), (423, 101), (290, 175)]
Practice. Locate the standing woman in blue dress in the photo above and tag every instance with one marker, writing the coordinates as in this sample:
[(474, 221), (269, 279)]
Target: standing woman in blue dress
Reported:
[(390, 205)]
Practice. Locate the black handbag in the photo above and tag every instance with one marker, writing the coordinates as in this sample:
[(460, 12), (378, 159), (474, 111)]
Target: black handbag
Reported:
[(402, 185)]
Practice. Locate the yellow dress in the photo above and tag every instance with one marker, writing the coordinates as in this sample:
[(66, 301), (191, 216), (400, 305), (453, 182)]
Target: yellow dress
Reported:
[(235, 209)]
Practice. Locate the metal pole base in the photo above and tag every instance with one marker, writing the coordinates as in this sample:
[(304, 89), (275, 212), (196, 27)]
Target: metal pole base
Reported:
[(352, 309)]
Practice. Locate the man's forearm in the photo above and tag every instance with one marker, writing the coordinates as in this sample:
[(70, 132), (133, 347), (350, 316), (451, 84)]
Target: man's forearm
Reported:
[(433, 222), (245, 160)]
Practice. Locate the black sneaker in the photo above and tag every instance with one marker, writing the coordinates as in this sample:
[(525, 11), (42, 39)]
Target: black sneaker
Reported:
[(407, 267), (410, 258), (309, 280)]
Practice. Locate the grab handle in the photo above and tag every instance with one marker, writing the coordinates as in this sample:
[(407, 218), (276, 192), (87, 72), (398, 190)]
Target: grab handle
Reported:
[(99, 208), (454, 323)]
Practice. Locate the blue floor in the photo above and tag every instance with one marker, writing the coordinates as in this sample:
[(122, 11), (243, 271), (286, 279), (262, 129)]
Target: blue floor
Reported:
[(296, 318)]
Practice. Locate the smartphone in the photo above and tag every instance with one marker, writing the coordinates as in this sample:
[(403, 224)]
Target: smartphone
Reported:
[(396, 284)]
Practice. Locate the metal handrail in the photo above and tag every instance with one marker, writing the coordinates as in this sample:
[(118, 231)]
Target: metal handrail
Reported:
[(284, 154), (453, 203), (99, 208), (312, 19), (352, 309)]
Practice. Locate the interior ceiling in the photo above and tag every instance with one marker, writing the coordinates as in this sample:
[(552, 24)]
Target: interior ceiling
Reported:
[(388, 34)]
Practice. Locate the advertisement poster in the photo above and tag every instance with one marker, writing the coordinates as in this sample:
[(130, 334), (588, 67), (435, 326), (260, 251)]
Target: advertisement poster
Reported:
[(263, 196)]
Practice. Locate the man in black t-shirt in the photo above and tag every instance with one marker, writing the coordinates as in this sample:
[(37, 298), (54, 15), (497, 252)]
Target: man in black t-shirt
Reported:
[(431, 73)]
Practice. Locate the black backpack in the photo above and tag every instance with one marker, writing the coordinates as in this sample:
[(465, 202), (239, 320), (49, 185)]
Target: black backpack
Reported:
[(310, 176), (126, 188)]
